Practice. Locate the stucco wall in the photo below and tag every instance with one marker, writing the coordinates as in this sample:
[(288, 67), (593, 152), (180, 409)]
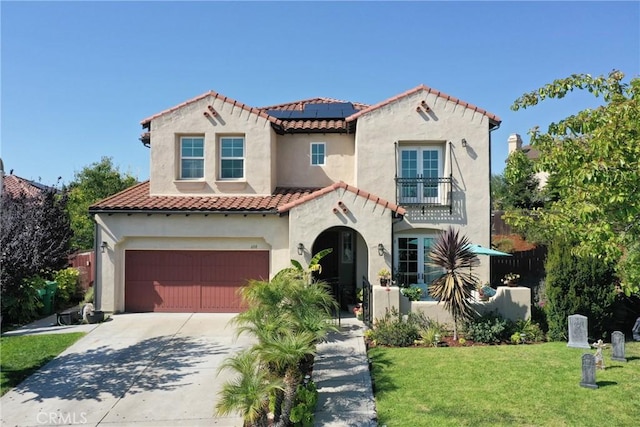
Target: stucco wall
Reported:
[(446, 123), (230, 120), (371, 220), (178, 231), (294, 160), (512, 303)]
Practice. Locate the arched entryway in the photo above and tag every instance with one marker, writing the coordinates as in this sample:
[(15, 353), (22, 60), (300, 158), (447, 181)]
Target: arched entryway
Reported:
[(345, 264)]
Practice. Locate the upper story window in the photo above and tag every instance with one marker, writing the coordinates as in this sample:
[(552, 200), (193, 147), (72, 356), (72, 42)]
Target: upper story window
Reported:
[(317, 153), (232, 157), (191, 157), (421, 178)]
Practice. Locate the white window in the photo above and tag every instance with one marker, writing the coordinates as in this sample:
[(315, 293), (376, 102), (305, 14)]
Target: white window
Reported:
[(412, 261), (317, 153), (421, 175), (191, 157), (232, 157)]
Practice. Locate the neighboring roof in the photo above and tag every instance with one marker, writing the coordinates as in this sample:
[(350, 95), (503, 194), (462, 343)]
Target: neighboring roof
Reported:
[(16, 186), (531, 153), (382, 202), (492, 117), (137, 198)]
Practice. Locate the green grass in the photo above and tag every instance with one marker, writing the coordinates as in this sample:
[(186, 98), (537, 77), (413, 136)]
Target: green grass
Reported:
[(20, 356), (524, 385)]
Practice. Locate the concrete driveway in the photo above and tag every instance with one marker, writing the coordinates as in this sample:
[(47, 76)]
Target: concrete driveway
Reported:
[(150, 369)]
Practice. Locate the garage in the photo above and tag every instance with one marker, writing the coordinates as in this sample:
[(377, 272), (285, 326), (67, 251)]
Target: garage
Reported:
[(190, 281)]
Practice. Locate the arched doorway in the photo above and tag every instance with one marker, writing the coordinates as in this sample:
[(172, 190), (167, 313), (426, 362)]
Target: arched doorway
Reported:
[(342, 266)]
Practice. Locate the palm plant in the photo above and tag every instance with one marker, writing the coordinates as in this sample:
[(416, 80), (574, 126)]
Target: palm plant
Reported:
[(288, 315), (454, 287), (249, 392)]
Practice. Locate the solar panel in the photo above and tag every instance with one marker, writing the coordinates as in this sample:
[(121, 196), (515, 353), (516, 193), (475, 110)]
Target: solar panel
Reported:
[(334, 110)]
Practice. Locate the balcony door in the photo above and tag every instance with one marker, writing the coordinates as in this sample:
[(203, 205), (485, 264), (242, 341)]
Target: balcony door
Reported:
[(420, 169)]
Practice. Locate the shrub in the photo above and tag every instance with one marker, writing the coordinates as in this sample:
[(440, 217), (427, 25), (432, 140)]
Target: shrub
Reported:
[(392, 330), (531, 330), (490, 328), (305, 405), (428, 334), (23, 305), (68, 286), (414, 293), (578, 286), (88, 296)]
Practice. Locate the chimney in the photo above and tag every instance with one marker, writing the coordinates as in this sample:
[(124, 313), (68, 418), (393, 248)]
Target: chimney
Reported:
[(515, 142)]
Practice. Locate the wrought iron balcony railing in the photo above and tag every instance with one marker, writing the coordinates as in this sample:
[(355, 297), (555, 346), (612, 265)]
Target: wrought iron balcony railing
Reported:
[(421, 191)]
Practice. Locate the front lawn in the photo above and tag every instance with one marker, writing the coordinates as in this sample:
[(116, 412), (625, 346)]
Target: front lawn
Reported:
[(508, 385), (20, 356)]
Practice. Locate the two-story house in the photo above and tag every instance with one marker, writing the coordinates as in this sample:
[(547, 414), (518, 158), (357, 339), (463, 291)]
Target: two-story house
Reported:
[(236, 192)]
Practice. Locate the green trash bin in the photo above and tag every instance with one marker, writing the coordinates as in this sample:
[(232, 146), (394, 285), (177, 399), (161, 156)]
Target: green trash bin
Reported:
[(48, 297)]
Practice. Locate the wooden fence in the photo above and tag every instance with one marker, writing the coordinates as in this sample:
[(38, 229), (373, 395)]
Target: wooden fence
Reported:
[(525, 263), (84, 262)]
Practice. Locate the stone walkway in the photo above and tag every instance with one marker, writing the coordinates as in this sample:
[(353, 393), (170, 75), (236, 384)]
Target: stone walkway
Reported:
[(341, 372)]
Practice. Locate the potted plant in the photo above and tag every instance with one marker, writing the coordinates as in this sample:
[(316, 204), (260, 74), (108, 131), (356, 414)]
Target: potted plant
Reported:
[(385, 277), (414, 293), (485, 292), (511, 279)]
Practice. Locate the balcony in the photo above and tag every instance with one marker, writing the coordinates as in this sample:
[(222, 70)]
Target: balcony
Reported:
[(424, 192)]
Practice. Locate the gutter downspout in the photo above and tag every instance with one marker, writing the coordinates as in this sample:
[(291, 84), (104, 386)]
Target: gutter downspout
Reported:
[(97, 281), (490, 198)]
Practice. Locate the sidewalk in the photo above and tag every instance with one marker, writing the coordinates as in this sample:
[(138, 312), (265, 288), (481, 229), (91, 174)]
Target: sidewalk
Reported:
[(341, 372), (49, 325)]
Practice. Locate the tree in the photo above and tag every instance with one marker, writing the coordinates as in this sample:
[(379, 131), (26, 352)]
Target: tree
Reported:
[(453, 254), (578, 285), (521, 184), (593, 159), (34, 242), (93, 183)]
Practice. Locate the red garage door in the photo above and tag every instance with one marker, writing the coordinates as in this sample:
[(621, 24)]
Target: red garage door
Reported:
[(190, 281)]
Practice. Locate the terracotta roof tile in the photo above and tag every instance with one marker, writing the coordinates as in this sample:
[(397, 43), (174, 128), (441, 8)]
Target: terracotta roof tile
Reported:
[(137, 198), (146, 122), (382, 202), (311, 125), (427, 89), (299, 105), (16, 186)]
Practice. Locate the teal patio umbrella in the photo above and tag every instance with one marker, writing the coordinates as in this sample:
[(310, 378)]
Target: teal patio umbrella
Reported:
[(481, 250)]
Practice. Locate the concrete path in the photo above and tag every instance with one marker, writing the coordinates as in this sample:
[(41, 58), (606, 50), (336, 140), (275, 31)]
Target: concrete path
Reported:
[(151, 369), (341, 372)]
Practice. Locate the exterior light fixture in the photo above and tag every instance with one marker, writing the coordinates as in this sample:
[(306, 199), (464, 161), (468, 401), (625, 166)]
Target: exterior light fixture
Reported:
[(103, 246), (464, 143), (300, 248), (380, 249)]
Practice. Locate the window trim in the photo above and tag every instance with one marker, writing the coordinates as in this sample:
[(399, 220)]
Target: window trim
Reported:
[(181, 171), (324, 153), (243, 158)]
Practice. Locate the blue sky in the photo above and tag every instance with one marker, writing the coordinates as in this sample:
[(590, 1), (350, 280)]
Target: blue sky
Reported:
[(77, 77)]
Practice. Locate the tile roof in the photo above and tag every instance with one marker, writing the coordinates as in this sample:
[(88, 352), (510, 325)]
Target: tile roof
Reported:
[(382, 202), (427, 89), (16, 186), (137, 198), (310, 125), (147, 122), (299, 105)]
